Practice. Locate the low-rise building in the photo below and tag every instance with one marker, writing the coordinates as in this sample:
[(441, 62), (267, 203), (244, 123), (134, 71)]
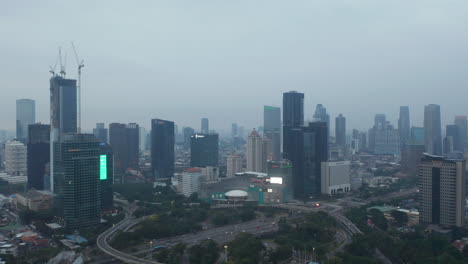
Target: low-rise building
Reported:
[(35, 200)]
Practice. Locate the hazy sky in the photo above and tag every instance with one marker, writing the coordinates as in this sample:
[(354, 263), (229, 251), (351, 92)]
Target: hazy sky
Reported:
[(225, 59)]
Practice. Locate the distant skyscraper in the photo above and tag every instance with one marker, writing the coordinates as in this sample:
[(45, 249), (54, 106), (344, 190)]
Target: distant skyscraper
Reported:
[(321, 114), (452, 139), (233, 130), (340, 130), (77, 185), (63, 113), (100, 132), (162, 148), (404, 125), (272, 129), (462, 124), (411, 158), (293, 117), (383, 137), (106, 175), (205, 127), (188, 132), (380, 121), (39, 156), (25, 115), (234, 165), (204, 150), (254, 152), (432, 129), (417, 135), (124, 140), (142, 138), (442, 191), (309, 148), (15, 158)]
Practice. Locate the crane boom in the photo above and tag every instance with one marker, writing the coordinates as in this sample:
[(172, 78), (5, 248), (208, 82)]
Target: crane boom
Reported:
[(80, 65)]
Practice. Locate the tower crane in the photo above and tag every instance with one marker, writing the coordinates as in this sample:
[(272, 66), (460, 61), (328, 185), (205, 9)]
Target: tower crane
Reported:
[(80, 64)]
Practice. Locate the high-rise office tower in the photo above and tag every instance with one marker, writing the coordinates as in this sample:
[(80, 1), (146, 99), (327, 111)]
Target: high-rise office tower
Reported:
[(309, 148), (25, 115), (321, 114), (383, 137), (462, 124), (204, 150), (234, 165), (282, 169), (404, 125), (411, 155), (432, 129), (272, 129), (380, 121), (2, 156), (205, 127), (124, 139), (39, 156), (106, 175), (340, 130), (100, 132), (254, 152), (63, 113), (188, 133), (452, 139), (234, 130), (442, 191), (77, 185), (417, 135), (142, 138), (15, 158), (162, 148), (293, 117)]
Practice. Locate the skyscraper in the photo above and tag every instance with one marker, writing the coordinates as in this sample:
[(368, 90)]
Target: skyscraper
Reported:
[(404, 125), (106, 175), (205, 127), (124, 140), (417, 135), (162, 148), (15, 158), (188, 132), (63, 113), (462, 124), (340, 130), (321, 114), (39, 156), (380, 121), (254, 152), (432, 129), (234, 165), (442, 191), (293, 117), (452, 139), (25, 115), (272, 129), (309, 148), (100, 132), (234, 130), (77, 185), (204, 150)]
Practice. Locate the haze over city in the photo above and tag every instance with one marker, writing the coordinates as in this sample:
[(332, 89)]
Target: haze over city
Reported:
[(183, 60)]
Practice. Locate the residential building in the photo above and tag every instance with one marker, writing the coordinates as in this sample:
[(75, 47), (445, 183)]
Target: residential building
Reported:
[(15, 158), (188, 182), (257, 152), (442, 191), (234, 165)]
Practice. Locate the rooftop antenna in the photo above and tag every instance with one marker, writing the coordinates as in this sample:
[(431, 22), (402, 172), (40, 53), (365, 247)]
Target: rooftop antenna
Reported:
[(80, 64)]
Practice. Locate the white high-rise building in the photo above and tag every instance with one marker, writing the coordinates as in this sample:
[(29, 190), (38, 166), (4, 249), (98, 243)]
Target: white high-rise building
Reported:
[(234, 165), (255, 152), (188, 182), (15, 158), (335, 177)]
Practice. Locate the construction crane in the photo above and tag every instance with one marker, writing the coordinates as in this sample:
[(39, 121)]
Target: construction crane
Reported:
[(62, 65), (80, 64), (52, 69)]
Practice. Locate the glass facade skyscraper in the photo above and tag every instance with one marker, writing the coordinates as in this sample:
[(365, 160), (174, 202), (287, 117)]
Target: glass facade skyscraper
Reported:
[(293, 117), (124, 139), (204, 150), (162, 148), (272, 129), (39, 156), (25, 115), (432, 129), (404, 125)]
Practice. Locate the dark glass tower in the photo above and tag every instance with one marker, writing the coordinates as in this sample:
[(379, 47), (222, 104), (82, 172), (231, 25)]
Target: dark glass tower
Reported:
[(404, 125), (452, 139), (106, 175), (340, 130), (293, 117), (162, 148), (309, 148), (124, 139), (204, 149), (188, 132), (100, 132), (77, 184), (272, 129), (462, 124), (25, 116), (39, 156)]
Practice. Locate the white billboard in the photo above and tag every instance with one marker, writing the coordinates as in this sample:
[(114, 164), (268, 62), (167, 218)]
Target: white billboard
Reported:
[(276, 180)]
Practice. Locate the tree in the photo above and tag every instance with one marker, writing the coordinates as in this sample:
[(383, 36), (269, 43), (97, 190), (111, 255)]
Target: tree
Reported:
[(378, 219), (400, 217), (205, 252), (245, 249)]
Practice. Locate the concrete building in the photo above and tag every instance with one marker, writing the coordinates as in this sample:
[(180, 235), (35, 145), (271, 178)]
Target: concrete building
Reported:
[(387, 141), (442, 191), (210, 174), (189, 181), (340, 130), (35, 200), (25, 116), (234, 165), (335, 177), (15, 158), (410, 158), (462, 124), (254, 152), (432, 129)]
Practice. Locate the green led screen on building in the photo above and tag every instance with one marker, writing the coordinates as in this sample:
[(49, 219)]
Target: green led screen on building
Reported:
[(103, 167)]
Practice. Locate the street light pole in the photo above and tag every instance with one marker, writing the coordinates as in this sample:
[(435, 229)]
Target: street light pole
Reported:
[(225, 253)]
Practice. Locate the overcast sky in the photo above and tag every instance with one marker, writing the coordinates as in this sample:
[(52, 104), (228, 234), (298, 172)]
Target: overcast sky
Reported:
[(225, 59)]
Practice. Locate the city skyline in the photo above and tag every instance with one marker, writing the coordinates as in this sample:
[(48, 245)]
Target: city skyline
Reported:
[(264, 65)]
